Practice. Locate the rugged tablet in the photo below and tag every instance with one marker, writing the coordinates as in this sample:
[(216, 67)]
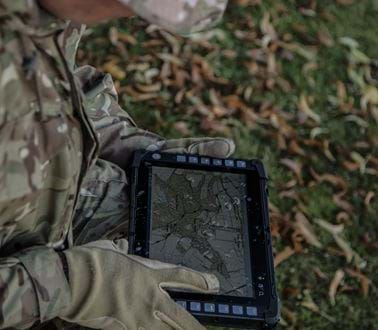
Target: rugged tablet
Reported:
[(210, 215)]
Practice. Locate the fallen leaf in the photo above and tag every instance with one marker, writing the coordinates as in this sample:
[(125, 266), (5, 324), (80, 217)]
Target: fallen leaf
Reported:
[(336, 181), (182, 128), (333, 229), (305, 109), (335, 283), (369, 196), (348, 251), (153, 88), (320, 274), (325, 37), (364, 280), (294, 166), (306, 230), (343, 204), (116, 71), (289, 315), (283, 255), (309, 303)]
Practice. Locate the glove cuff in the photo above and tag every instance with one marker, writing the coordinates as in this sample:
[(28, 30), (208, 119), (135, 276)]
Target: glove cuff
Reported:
[(52, 289)]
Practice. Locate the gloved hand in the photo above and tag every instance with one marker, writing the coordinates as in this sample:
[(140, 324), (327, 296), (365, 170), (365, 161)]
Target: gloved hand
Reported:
[(113, 290)]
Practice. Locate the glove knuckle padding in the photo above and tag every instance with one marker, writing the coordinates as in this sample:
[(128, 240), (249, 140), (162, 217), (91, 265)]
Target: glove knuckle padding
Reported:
[(213, 147)]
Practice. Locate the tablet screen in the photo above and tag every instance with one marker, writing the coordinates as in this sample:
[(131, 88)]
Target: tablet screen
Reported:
[(199, 220)]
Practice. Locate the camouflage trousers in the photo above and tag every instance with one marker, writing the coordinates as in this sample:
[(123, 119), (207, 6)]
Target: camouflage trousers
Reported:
[(102, 213)]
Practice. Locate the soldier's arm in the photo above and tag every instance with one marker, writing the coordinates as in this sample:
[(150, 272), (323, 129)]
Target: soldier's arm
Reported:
[(33, 288), (117, 133)]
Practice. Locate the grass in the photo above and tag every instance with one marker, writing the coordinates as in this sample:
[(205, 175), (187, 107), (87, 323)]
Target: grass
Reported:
[(305, 58)]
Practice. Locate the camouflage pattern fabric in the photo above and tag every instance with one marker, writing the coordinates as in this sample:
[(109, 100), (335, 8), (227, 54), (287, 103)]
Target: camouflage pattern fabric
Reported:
[(179, 16), (53, 127), (47, 145)]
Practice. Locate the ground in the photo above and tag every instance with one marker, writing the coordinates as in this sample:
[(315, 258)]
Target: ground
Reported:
[(294, 83)]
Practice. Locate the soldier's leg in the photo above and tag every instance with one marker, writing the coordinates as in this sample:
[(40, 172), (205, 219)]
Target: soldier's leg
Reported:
[(103, 205)]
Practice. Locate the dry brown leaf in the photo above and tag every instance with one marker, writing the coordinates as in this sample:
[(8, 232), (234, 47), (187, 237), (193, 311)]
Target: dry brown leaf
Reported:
[(295, 148), (267, 28), (113, 35), (333, 229), (343, 204), (364, 280), (304, 108), (137, 96), (369, 196), (305, 229), (309, 303), (342, 216), (286, 253), (289, 315), (182, 128), (350, 166), (213, 126), (348, 251), (327, 151), (294, 166), (170, 58), (153, 88), (336, 181), (116, 71), (325, 37), (335, 283), (320, 274), (127, 38)]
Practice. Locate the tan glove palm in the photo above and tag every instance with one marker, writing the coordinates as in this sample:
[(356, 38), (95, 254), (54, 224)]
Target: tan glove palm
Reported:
[(113, 290)]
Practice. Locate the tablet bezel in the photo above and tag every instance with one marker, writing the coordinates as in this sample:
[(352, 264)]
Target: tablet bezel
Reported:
[(265, 298)]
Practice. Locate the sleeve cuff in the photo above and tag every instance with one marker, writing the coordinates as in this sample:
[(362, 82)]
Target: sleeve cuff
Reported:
[(50, 283)]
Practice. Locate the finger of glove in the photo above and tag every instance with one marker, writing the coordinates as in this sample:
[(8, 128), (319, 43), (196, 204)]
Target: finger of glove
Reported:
[(176, 316), (188, 279), (120, 246), (212, 147)]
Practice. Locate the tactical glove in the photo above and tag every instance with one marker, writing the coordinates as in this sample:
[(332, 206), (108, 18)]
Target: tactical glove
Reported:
[(113, 290)]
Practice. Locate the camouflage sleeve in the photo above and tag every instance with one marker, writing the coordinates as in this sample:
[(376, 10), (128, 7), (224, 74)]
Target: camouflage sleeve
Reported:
[(180, 16), (28, 16), (117, 133), (33, 288)]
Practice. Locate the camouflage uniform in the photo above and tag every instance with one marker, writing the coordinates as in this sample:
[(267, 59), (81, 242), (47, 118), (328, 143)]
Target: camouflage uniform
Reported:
[(63, 142)]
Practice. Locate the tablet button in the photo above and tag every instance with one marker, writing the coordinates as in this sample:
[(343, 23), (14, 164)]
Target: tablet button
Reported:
[(182, 303), (209, 308), (156, 156), (229, 163), (224, 309), (193, 159), (205, 161), (251, 311), (181, 158), (195, 306), (217, 162), (241, 164), (237, 310)]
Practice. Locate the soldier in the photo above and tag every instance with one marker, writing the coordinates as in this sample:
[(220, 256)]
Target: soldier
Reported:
[(64, 146)]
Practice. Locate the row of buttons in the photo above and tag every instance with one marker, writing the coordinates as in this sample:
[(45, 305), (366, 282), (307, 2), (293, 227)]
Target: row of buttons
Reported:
[(195, 306), (207, 161)]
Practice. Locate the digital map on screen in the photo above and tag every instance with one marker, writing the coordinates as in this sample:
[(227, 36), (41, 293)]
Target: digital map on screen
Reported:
[(198, 221)]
